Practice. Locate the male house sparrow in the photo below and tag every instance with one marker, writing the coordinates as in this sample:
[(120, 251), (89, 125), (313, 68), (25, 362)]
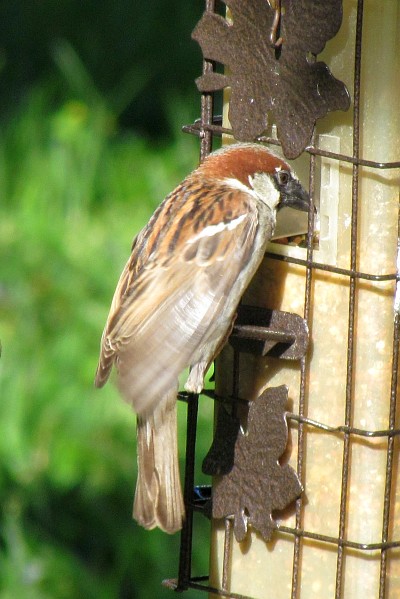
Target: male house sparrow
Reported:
[(176, 300)]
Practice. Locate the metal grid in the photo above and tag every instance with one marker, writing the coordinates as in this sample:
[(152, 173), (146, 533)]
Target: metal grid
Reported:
[(206, 128)]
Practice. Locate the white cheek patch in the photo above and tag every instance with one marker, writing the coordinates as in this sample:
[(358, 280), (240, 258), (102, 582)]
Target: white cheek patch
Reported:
[(265, 190), (261, 188)]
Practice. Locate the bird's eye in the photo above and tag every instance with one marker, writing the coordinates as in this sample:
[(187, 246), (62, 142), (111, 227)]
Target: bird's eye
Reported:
[(282, 177)]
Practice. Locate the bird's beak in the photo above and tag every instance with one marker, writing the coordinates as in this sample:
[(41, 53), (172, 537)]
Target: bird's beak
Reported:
[(294, 196)]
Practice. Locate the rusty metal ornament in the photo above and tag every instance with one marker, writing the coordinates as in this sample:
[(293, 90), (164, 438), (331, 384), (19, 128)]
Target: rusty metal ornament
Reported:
[(255, 484), (269, 53), (273, 333)]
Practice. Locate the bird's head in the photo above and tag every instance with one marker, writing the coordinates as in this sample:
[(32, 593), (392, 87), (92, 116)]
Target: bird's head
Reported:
[(260, 170)]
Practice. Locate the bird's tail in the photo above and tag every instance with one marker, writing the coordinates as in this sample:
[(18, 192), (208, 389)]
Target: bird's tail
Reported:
[(158, 497)]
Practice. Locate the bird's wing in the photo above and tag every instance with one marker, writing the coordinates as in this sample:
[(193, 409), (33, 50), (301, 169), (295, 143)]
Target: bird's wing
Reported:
[(173, 290)]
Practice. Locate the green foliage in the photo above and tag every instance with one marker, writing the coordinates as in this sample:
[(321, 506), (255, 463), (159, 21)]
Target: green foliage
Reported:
[(74, 191), (134, 52)]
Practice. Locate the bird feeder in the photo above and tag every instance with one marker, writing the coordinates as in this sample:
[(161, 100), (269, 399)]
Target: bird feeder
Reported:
[(315, 348)]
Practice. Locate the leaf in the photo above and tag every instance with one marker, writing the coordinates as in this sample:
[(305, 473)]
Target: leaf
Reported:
[(285, 80), (256, 484)]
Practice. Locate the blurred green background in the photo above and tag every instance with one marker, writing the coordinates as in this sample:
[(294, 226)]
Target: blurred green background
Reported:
[(92, 99)]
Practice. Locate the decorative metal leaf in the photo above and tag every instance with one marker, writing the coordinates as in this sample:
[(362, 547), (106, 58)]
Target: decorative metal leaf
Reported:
[(257, 483), (285, 80)]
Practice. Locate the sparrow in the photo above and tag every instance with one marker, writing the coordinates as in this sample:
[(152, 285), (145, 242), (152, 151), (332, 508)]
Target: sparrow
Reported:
[(176, 300)]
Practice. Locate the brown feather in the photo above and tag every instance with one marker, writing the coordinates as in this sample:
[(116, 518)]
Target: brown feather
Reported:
[(169, 306), (239, 162), (158, 497)]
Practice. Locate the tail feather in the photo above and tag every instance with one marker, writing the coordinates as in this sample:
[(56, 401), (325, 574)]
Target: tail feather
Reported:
[(158, 497)]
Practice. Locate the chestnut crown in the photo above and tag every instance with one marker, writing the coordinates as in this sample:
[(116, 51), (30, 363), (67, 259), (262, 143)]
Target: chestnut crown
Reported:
[(244, 161)]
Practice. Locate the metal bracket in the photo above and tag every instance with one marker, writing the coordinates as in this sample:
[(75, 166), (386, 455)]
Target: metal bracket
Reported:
[(273, 333), (264, 332)]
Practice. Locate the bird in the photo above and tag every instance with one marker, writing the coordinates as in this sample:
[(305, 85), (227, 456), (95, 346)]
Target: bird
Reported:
[(176, 300)]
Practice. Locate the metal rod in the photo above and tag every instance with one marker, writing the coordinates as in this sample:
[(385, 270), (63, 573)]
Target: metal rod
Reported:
[(389, 462), (236, 380), (249, 331), (185, 556), (304, 375), (390, 447), (275, 40), (343, 429), (227, 554), (218, 130), (217, 592), (206, 103), (348, 430), (347, 272), (352, 305), (338, 542)]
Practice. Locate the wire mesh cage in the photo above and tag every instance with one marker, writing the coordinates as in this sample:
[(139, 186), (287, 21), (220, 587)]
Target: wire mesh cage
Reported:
[(343, 537)]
